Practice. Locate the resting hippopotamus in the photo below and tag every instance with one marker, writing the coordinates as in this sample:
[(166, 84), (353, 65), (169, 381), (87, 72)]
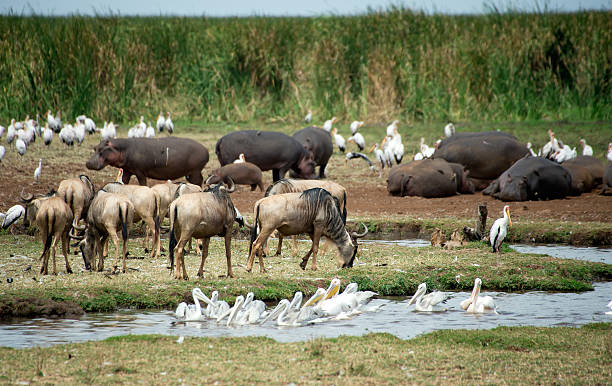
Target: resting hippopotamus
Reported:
[(243, 173), (319, 142), (428, 178), (531, 178), (582, 179), (607, 179), (594, 166), (268, 150), (484, 155), (158, 158)]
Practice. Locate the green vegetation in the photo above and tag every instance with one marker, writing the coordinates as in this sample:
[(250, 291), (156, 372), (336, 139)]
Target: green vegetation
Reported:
[(387, 269), (529, 355), (382, 65)]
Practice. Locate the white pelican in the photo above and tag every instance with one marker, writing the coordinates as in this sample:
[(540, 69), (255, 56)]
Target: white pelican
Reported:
[(276, 311), (380, 157), (193, 312), (355, 125), (476, 304), (169, 124), (609, 154), (533, 154), (586, 149), (217, 308), (327, 126), (232, 311), (21, 146), (308, 117), (339, 140), (353, 155), (240, 159), (2, 151), (428, 303), (358, 140), (161, 122), (47, 135), (10, 131), (12, 215), (292, 315), (344, 302), (449, 130), (150, 131), (392, 127), (38, 170), (499, 229)]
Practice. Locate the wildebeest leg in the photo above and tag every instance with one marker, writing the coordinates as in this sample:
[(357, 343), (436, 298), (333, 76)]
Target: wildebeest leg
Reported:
[(99, 250), (124, 254), (205, 243), (228, 251), (179, 251), (295, 247), (151, 225), (65, 251), (258, 248), (115, 238), (280, 245), (44, 258), (305, 258), (315, 247), (53, 244)]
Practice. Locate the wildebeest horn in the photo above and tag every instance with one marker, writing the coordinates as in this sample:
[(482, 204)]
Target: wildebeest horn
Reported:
[(207, 182), (232, 186), (79, 228), (72, 235), (27, 198), (359, 235)]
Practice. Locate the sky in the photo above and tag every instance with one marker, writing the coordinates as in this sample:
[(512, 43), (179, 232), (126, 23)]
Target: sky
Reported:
[(281, 7)]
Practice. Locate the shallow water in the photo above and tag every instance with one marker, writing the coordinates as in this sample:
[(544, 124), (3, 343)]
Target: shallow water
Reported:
[(598, 255), (528, 309)]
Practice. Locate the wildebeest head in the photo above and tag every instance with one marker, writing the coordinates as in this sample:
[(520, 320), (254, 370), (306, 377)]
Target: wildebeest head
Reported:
[(32, 205), (105, 153), (348, 263)]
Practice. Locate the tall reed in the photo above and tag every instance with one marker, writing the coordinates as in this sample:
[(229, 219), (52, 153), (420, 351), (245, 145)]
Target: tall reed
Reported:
[(382, 65)]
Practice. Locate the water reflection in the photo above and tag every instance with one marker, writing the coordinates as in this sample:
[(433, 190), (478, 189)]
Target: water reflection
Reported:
[(528, 309)]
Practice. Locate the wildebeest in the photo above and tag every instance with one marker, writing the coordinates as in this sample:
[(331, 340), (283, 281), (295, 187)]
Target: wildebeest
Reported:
[(484, 155), (77, 193), (268, 150), (243, 173), (314, 212), (54, 220), (158, 158), (201, 215), (108, 213), (531, 178)]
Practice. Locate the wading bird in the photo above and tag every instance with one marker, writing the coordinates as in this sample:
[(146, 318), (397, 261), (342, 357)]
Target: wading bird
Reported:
[(2, 151), (476, 304), (327, 126), (169, 124), (355, 125), (12, 215), (308, 117), (240, 159), (353, 155), (339, 140), (499, 229), (392, 127), (449, 130), (38, 170), (21, 146), (430, 302), (358, 140), (161, 122), (533, 154)]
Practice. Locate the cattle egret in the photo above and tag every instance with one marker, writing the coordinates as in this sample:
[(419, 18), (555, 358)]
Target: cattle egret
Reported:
[(500, 229), (38, 170), (586, 149), (358, 140), (327, 126), (339, 140), (308, 117), (355, 125), (449, 130), (169, 125)]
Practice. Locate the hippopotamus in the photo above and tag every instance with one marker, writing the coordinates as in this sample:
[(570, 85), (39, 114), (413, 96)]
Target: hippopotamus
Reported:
[(582, 179), (268, 150), (531, 178), (607, 179), (484, 155), (243, 173), (428, 178), (158, 158), (319, 142), (595, 167)]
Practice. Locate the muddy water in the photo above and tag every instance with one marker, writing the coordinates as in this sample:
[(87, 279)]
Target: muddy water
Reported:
[(528, 309)]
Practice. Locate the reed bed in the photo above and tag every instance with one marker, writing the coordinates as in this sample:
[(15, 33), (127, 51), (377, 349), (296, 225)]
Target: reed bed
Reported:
[(381, 65)]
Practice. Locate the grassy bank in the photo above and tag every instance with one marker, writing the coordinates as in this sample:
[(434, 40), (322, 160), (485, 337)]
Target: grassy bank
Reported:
[(393, 63), (386, 269), (529, 355)]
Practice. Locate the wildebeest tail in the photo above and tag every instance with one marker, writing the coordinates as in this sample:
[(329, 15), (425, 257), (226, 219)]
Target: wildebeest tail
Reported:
[(254, 230), (172, 242), (156, 218), (344, 209), (123, 215), (50, 220)]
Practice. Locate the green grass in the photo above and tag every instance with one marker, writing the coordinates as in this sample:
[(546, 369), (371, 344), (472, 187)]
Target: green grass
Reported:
[(381, 65), (526, 355)]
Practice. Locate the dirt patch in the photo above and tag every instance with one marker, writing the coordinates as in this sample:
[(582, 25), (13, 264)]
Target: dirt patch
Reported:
[(39, 307)]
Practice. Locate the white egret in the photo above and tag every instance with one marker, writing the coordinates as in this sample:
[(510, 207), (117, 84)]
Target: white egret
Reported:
[(38, 170), (430, 302), (499, 229)]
